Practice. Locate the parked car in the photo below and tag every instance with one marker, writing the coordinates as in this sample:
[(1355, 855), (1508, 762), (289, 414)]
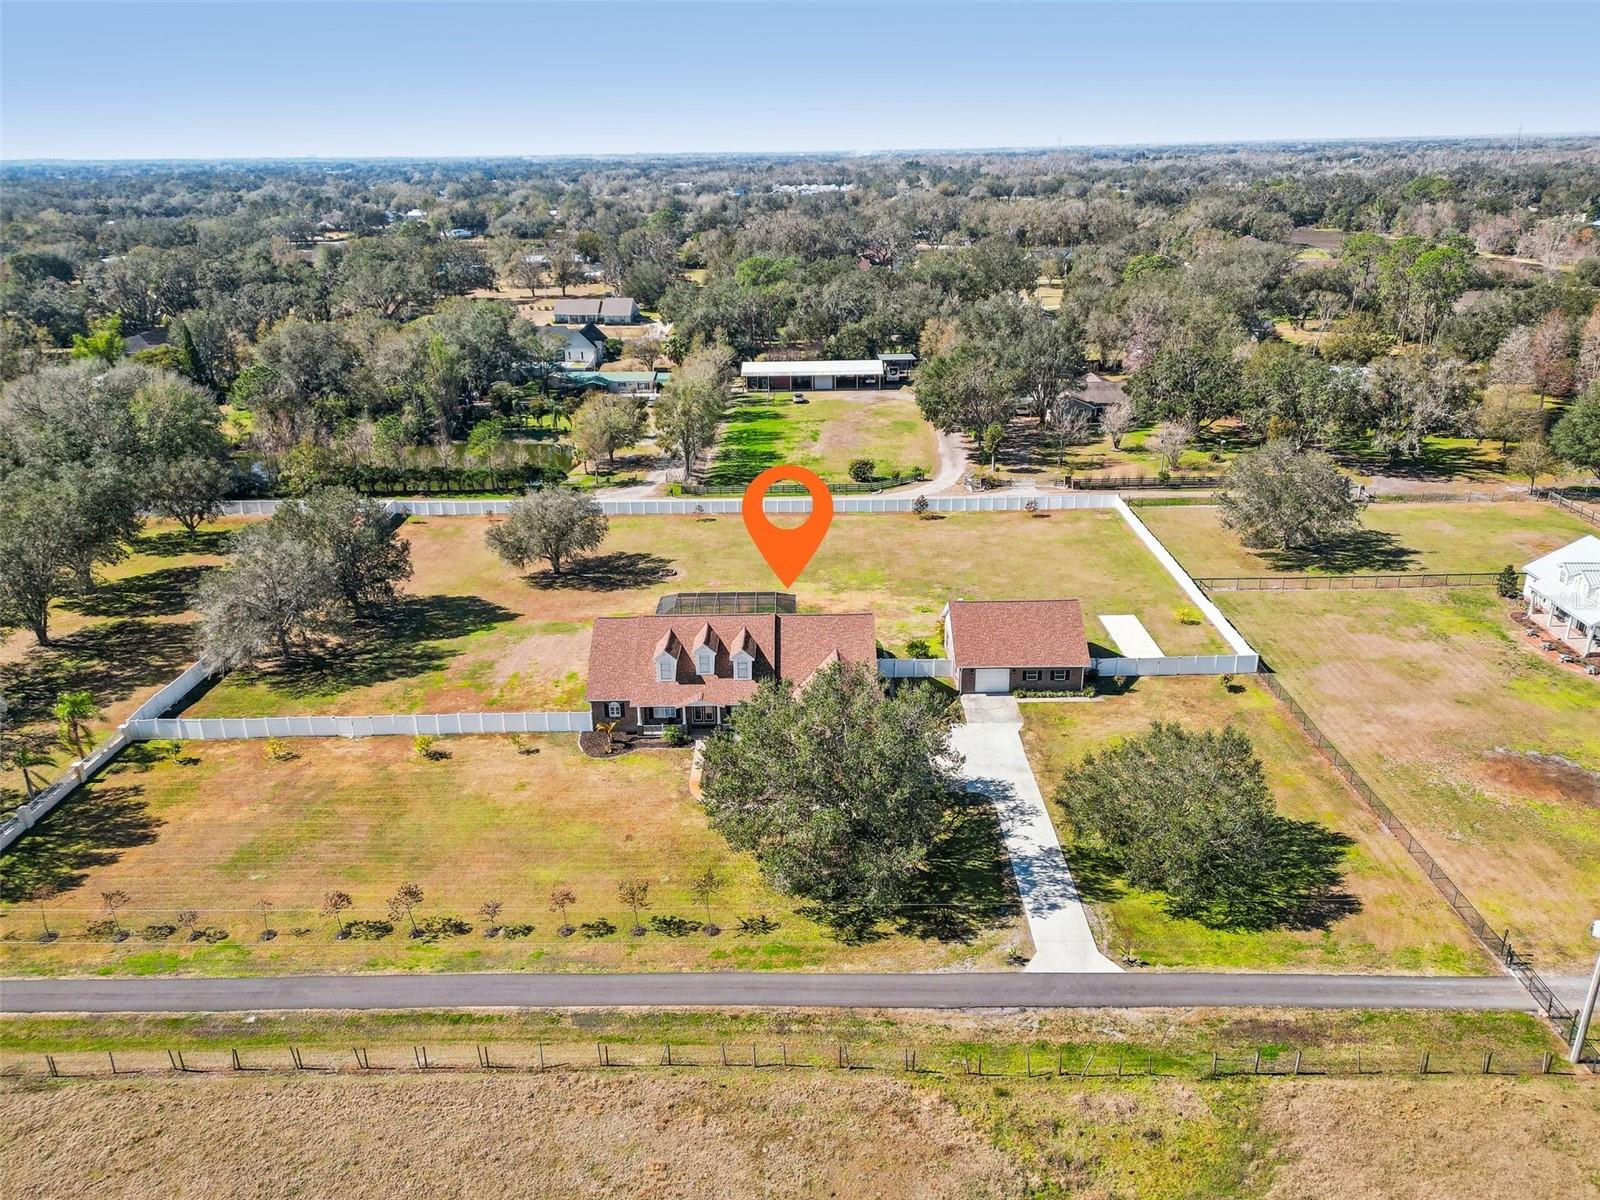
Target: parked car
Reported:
[(800, 398)]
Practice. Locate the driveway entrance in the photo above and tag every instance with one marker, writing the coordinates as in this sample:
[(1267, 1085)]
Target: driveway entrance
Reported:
[(997, 767)]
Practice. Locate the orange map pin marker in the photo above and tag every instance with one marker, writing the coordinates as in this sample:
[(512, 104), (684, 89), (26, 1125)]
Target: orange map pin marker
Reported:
[(787, 551)]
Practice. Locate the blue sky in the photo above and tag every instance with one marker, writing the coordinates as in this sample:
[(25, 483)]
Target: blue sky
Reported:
[(234, 79)]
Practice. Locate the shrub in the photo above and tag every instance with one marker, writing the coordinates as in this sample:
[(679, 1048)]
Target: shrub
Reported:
[(756, 925), (1507, 583), (515, 931), (369, 931), (920, 507), (597, 929), (103, 930), (157, 933), (278, 751), (861, 470), (1187, 615), (673, 735), (210, 935), (919, 648), (1031, 508), (674, 926), (426, 748)]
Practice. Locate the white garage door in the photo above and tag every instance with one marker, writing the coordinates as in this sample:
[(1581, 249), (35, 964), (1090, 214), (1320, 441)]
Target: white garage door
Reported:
[(992, 681)]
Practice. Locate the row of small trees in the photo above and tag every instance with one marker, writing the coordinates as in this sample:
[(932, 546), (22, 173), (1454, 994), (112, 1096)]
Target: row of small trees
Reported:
[(632, 892)]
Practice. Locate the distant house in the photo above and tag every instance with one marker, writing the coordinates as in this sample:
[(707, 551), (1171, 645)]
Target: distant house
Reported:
[(1098, 395), (1563, 593), (613, 310), (619, 310), (816, 375), (147, 339), (624, 383), (691, 670), (999, 646), (585, 347), (459, 234)]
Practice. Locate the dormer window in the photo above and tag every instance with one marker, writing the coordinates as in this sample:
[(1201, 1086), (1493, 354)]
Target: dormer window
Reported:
[(742, 665), (666, 668), (705, 661)]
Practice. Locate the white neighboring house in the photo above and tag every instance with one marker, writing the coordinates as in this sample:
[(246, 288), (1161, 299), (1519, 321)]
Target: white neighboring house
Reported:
[(1563, 593), (585, 348)]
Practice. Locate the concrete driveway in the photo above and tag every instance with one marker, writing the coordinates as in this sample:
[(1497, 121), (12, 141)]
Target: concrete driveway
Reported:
[(996, 767)]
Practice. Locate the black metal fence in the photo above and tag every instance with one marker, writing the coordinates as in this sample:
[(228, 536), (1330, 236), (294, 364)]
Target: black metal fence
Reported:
[(682, 604), (1348, 583), (1496, 942), (1107, 483)]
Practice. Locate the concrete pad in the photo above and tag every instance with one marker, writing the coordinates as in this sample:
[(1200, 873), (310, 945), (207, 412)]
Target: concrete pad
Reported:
[(996, 766), (1132, 638)]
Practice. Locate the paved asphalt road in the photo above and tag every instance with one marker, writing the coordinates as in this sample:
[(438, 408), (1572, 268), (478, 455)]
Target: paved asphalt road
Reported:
[(727, 990)]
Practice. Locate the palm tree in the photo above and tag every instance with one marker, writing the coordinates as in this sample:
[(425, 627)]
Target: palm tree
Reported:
[(74, 710), (25, 758)]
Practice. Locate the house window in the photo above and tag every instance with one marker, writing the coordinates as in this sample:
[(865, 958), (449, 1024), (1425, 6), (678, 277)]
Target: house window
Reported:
[(705, 662), (614, 709), (741, 668), (1032, 676), (664, 714), (664, 670), (1058, 676)]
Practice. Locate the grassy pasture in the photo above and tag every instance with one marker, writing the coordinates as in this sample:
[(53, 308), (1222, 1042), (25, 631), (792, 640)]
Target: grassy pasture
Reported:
[(764, 429), (476, 636), (1453, 721), (1410, 536), (1398, 922), (216, 827), (121, 642)]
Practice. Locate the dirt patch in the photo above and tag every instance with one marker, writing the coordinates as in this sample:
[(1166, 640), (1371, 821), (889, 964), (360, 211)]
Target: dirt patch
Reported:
[(1435, 1140), (1547, 777), (546, 1136)]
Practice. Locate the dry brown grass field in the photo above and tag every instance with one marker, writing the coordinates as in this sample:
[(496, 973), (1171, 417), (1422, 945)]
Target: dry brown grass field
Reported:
[(1386, 916), (218, 828), (476, 635), (1489, 753), (1410, 536), (704, 1130)]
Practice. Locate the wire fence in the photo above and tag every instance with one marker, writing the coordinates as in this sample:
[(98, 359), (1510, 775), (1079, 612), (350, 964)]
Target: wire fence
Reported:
[(1498, 943), (1043, 1062), (1582, 511), (1348, 583)]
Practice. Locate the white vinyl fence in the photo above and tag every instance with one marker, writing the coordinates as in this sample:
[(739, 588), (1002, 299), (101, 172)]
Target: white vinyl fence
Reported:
[(916, 668), (1014, 501), (1179, 664), (169, 697), (399, 725)]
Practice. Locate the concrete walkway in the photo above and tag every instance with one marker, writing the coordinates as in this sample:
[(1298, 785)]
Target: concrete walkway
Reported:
[(997, 767)]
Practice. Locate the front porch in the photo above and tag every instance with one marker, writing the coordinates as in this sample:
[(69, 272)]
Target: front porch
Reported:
[(1580, 636), (693, 719)]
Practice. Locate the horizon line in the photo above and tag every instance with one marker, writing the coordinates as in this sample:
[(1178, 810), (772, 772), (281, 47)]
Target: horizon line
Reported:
[(887, 152)]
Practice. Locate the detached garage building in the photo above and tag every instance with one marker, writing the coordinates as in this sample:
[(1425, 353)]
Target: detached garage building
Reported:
[(1000, 646), (819, 375)]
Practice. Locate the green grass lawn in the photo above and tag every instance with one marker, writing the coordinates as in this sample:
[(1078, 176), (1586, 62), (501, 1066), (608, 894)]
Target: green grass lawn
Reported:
[(1393, 537), (477, 636), (121, 642), (218, 828), (1490, 754), (764, 429), (1399, 923)]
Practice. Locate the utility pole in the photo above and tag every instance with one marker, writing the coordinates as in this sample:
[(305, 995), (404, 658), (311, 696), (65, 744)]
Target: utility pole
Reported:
[(1580, 1031)]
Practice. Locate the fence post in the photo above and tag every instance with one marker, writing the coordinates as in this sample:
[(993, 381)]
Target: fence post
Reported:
[(50, 1066), (1423, 1069), (234, 1055), (1487, 1059)]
